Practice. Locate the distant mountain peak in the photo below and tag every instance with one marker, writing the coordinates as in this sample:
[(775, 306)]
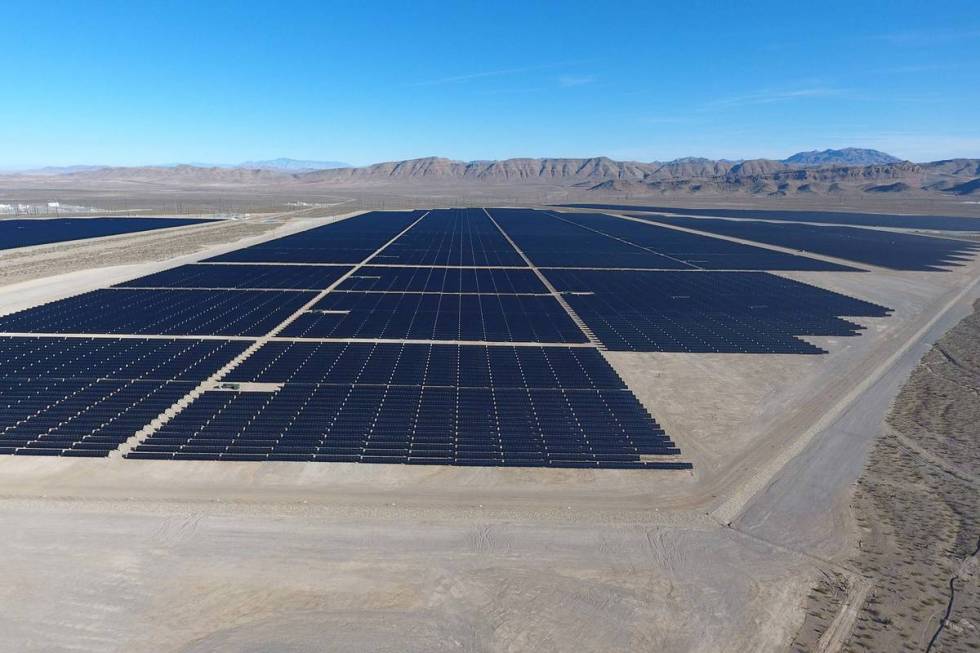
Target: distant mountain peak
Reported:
[(293, 165), (848, 156)]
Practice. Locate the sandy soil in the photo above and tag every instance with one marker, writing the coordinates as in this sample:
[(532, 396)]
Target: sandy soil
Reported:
[(115, 555), (919, 516)]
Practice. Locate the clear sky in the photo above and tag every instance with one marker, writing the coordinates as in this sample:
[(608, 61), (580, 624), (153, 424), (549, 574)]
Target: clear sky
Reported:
[(133, 83)]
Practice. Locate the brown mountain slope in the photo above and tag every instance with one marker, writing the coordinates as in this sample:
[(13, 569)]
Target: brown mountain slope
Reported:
[(597, 174)]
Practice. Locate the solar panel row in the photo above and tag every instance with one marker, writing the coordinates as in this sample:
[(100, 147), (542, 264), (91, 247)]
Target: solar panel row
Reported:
[(730, 312), (937, 222), (417, 316), (430, 365), (452, 237), (550, 242), (114, 358), (701, 251), (25, 233), (444, 280), (416, 425), (347, 241), (86, 396), (161, 312), (243, 276), (71, 417), (890, 249)]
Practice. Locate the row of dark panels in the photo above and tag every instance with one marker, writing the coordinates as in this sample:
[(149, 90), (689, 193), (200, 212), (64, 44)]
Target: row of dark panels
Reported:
[(368, 278), (895, 221), (491, 424), (595, 240), (626, 310), (25, 233), (344, 363), (543, 406), (477, 237), (889, 249)]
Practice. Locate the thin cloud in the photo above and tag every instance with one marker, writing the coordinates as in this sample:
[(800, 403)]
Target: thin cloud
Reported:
[(772, 96)]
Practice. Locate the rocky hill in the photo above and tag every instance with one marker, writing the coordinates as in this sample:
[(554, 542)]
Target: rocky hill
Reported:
[(848, 156), (598, 175)]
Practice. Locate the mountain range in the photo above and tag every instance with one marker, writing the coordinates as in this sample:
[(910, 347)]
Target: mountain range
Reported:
[(847, 170)]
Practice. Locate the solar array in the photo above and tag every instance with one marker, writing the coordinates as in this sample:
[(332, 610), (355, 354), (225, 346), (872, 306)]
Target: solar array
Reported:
[(25, 233), (422, 316), (551, 242), (595, 240), (348, 241), (499, 281), (161, 312), (729, 312), (86, 396), (935, 222), (889, 249), (700, 251), (477, 366), (451, 337), (452, 237), (421, 404), (217, 276)]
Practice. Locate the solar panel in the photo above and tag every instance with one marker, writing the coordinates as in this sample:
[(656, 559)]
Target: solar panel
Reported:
[(444, 280), (83, 397), (937, 222), (290, 277), (417, 316), (420, 404), (890, 249), (701, 251), (452, 237), (161, 312), (731, 312), (346, 241), (427, 364), (25, 233), (550, 242), (114, 358)]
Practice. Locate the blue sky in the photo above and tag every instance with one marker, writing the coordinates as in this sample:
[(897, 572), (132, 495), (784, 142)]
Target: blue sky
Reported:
[(133, 83)]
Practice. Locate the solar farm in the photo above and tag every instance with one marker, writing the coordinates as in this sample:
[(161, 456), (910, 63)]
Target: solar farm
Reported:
[(393, 418), (470, 337)]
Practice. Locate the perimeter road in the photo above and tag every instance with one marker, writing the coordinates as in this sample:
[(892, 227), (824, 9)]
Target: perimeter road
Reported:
[(734, 507)]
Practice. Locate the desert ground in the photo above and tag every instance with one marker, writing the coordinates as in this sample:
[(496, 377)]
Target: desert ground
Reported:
[(781, 538)]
